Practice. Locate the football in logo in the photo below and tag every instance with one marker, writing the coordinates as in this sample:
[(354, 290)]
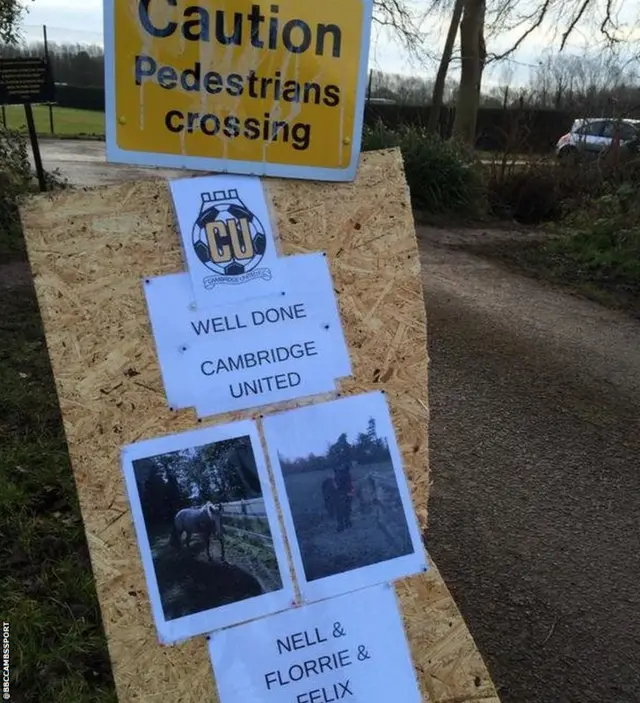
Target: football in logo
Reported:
[(227, 237)]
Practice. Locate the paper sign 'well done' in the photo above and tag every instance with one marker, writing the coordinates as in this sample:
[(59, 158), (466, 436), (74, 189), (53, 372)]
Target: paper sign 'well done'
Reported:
[(254, 352)]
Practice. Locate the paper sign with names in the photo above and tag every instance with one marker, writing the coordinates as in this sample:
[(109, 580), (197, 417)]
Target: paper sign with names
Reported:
[(254, 352), (227, 238), (351, 648)]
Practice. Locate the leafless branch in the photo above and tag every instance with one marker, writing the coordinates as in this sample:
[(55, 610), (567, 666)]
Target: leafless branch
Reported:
[(567, 15), (608, 22), (538, 21), (397, 17), (572, 25)]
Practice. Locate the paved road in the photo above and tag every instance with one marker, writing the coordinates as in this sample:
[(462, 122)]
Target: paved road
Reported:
[(535, 457), (84, 163)]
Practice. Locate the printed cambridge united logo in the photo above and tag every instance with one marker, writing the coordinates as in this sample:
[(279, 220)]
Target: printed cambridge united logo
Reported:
[(229, 240)]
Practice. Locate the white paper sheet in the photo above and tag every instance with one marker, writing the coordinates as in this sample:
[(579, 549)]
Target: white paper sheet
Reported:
[(351, 648), (298, 382), (349, 534), (193, 590), (302, 318), (227, 238)]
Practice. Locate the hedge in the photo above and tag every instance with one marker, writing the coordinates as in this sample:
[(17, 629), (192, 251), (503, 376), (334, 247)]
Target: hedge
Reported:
[(531, 130)]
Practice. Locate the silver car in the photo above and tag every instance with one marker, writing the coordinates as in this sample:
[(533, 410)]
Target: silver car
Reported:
[(594, 135)]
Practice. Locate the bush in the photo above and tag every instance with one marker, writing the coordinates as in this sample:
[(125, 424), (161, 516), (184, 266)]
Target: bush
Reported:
[(597, 248), (80, 97), (15, 176), (541, 191), (443, 176), (529, 195)]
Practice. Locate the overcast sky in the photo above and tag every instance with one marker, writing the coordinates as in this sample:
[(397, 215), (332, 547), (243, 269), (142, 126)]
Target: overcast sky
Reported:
[(300, 442), (82, 21), (311, 428)]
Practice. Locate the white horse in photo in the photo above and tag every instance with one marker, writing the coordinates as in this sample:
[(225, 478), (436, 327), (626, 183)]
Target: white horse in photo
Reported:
[(205, 520)]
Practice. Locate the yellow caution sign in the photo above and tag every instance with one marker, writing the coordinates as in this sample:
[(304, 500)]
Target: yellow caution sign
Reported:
[(272, 89)]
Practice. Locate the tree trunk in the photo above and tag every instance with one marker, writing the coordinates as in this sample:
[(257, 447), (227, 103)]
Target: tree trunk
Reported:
[(441, 78), (473, 52)]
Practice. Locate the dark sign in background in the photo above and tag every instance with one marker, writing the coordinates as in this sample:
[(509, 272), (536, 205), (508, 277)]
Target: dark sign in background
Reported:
[(25, 80)]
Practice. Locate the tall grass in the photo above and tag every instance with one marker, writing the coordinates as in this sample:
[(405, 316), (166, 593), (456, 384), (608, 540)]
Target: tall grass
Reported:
[(47, 591), (603, 236)]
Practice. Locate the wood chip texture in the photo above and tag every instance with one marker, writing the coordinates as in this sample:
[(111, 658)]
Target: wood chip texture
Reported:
[(90, 249)]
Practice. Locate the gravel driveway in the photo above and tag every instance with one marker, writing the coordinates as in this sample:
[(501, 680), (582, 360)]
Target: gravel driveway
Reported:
[(535, 460)]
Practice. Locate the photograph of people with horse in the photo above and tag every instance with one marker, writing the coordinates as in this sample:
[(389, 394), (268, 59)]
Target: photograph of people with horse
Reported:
[(341, 484), (207, 526)]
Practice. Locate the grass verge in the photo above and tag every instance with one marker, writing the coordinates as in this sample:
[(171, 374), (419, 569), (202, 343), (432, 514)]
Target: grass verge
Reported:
[(11, 244), (58, 648), (607, 272), (67, 122)]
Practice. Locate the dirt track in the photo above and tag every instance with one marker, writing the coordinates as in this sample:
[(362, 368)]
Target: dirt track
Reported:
[(535, 459), (535, 456)]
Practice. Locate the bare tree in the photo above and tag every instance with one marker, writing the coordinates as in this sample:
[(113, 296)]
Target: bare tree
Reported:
[(591, 82), (437, 99), (551, 82), (473, 56), (505, 90), (407, 90), (412, 90), (513, 15)]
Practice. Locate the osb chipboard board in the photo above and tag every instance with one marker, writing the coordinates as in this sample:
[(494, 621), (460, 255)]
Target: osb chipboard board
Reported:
[(89, 251)]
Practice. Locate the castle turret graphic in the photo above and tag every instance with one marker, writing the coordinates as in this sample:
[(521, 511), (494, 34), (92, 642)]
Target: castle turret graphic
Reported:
[(228, 239)]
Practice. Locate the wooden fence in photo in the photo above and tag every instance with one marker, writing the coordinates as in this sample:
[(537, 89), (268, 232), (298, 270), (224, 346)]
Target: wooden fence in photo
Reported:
[(237, 514)]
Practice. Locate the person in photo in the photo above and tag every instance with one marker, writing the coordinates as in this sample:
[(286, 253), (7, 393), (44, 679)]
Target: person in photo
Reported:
[(338, 494)]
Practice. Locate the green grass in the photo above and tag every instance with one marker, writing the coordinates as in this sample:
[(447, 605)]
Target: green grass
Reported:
[(47, 593), (67, 122), (603, 269), (11, 245)]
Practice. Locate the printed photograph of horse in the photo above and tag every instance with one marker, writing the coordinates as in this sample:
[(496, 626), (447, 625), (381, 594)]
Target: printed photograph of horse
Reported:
[(207, 526), (341, 484)]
